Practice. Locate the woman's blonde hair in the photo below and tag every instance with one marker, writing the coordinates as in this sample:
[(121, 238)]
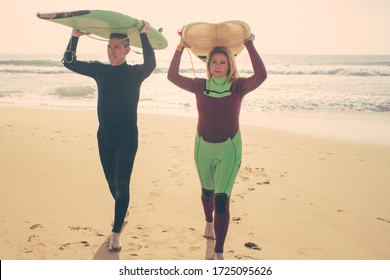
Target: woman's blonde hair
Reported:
[(232, 73)]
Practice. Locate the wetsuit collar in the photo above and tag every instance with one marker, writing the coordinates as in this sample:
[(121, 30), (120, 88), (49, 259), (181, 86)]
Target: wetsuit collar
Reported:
[(218, 87), (119, 68), (120, 65), (219, 81)]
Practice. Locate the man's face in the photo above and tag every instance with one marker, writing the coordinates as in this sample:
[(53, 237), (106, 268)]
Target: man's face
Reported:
[(116, 51)]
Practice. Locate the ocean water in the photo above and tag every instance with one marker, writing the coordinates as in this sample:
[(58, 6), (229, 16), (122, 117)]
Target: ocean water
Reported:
[(342, 96)]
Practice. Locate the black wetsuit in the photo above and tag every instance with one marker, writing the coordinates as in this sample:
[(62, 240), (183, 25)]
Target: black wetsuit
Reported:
[(118, 96)]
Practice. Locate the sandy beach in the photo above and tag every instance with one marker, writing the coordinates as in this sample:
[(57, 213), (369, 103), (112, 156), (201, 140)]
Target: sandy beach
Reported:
[(296, 197)]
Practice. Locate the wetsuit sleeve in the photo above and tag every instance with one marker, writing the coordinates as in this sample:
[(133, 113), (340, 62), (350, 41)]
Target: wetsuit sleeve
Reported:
[(148, 54), (245, 85), (70, 60), (193, 85), (70, 52)]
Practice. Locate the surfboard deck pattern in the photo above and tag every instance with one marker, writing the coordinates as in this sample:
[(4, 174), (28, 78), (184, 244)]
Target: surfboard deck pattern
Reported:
[(202, 37), (102, 23)]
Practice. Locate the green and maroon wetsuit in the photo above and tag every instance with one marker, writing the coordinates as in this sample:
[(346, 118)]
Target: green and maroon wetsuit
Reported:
[(218, 141)]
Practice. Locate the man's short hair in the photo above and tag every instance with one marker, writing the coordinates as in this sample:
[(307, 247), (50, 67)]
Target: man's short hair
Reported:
[(124, 37)]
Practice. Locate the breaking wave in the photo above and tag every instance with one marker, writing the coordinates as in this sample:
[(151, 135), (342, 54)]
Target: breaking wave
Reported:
[(74, 92)]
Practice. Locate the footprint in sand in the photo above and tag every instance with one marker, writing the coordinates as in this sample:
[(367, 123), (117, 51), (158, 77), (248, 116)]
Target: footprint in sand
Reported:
[(134, 247), (244, 178), (248, 172), (143, 231), (82, 243), (36, 226), (244, 257), (267, 182), (253, 246), (34, 244), (66, 245), (86, 229), (383, 220), (33, 237)]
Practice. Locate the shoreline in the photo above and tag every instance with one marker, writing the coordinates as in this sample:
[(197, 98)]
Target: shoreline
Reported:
[(297, 197), (356, 127)]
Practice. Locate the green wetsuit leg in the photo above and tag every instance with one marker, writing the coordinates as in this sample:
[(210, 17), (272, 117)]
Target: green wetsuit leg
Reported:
[(218, 163)]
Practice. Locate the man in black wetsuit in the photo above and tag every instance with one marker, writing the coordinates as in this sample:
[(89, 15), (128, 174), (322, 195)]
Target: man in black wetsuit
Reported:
[(118, 94)]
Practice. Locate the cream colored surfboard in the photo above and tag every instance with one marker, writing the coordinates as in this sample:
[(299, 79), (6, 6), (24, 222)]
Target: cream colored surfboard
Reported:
[(203, 37)]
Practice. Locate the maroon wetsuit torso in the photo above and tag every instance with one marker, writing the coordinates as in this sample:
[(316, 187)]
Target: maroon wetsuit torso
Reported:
[(219, 117)]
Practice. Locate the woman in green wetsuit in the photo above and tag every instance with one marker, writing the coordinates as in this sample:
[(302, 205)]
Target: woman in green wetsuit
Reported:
[(218, 139)]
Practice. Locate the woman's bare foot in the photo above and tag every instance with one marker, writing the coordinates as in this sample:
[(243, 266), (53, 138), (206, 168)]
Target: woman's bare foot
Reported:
[(209, 231)]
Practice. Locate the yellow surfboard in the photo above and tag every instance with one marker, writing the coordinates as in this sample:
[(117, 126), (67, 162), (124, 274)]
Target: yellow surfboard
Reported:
[(203, 37)]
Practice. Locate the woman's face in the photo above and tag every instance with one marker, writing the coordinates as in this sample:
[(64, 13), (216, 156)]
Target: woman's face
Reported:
[(219, 65)]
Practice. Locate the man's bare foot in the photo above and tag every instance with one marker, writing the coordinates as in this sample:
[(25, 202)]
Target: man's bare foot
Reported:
[(115, 244), (209, 231)]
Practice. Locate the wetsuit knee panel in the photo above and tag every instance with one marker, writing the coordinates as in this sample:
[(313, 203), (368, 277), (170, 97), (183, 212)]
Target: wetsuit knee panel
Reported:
[(220, 203), (207, 194), (122, 188)]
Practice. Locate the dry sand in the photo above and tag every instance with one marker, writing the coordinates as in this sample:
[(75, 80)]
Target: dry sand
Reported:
[(296, 197)]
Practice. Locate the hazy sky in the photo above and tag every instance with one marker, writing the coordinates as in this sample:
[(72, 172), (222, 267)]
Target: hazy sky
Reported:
[(280, 26)]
